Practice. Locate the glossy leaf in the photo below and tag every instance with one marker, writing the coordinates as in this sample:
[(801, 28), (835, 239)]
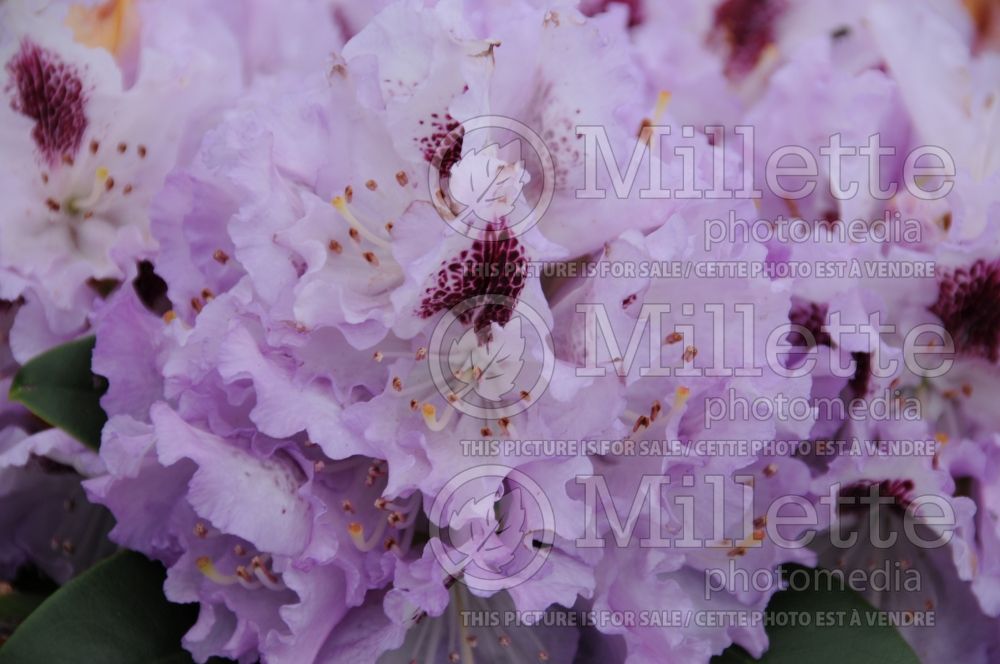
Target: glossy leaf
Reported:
[(59, 387), (115, 613)]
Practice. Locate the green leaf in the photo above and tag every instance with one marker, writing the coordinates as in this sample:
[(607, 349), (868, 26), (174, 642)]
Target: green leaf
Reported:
[(115, 613), (734, 655), (16, 606), (852, 632), (59, 387)]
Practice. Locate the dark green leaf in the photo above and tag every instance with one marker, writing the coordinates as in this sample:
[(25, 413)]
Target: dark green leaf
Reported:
[(852, 633), (16, 606), (115, 613), (734, 655), (58, 387)]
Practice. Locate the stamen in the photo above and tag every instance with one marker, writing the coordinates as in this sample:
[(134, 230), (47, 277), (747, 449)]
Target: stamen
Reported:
[(681, 395), (662, 100), (375, 471), (357, 533), (341, 206), (101, 178), (246, 578), (673, 338), (430, 417), (265, 575), (207, 567)]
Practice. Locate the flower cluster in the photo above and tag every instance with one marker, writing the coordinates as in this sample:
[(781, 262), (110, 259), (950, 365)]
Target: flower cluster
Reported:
[(379, 285)]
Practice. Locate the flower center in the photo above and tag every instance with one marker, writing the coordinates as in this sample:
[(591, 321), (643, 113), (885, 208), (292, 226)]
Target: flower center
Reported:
[(376, 522), (809, 316), (862, 492), (747, 26)]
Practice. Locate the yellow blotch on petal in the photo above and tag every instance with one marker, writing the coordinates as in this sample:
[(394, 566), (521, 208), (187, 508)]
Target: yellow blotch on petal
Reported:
[(111, 25)]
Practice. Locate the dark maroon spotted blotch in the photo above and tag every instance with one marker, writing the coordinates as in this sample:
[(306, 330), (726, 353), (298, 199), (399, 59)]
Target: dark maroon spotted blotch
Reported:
[(493, 266), (747, 26), (442, 147), (968, 305), (49, 91)]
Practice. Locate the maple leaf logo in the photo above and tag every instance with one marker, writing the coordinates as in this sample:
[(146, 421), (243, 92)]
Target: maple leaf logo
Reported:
[(491, 369), (497, 527), (488, 533), (486, 184)]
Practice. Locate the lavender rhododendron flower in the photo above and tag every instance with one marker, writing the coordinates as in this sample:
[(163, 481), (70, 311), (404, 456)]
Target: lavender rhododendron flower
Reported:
[(507, 330)]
